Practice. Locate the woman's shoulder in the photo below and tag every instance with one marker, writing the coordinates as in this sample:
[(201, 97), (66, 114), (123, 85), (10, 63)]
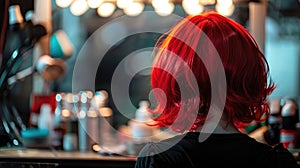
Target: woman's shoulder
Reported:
[(159, 153), (276, 154), (161, 147), (173, 150), (283, 157)]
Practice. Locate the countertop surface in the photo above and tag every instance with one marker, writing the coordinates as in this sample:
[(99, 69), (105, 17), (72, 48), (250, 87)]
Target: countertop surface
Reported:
[(20, 157), (56, 154)]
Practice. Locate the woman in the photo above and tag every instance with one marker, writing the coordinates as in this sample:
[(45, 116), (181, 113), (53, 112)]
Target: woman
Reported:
[(210, 80)]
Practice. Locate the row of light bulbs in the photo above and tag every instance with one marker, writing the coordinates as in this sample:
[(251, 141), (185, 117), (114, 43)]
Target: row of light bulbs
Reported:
[(106, 8)]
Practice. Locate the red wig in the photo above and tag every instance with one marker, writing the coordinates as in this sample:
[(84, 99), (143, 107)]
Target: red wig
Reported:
[(245, 67)]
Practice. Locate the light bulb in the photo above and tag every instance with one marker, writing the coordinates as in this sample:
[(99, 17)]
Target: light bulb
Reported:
[(106, 9), (63, 3), (225, 11), (165, 9), (105, 112), (65, 113), (192, 7), (159, 3), (190, 2), (224, 3), (122, 4), (207, 2), (94, 3), (81, 114), (134, 9), (79, 7)]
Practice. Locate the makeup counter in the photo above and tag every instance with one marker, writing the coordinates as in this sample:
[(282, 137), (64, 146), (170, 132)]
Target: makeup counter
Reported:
[(75, 130)]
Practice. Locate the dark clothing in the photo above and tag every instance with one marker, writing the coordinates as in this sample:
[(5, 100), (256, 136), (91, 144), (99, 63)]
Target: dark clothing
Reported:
[(218, 150)]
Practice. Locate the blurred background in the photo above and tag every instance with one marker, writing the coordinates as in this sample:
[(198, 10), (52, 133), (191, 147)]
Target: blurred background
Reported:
[(278, 35)]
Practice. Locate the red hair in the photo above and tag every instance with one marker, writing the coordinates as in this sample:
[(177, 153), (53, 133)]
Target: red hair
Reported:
[(246, 71)]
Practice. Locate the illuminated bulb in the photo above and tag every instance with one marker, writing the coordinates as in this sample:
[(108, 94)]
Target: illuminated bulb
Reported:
[(83, 99), (89, 94), (190, 2), (122, 4), (66, 113), (79, 7), (207, 2), (69, 98), (94, 3), (63, 3), (165, 9), (192, 7), (134, 9), (96, 148), (92, 113), (75, 98), (106, 9), (159, 3), (81, 114), (58, 97), (224, 3), (105, 112), (225, 11)]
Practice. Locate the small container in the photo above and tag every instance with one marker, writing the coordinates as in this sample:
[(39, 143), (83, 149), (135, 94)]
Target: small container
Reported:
[(70, 140), (45, 119), (274, 127), (288, 132), (140, 131), (288, 138)]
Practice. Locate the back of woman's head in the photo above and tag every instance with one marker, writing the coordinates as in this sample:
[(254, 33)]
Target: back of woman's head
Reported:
[(195, 45)]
